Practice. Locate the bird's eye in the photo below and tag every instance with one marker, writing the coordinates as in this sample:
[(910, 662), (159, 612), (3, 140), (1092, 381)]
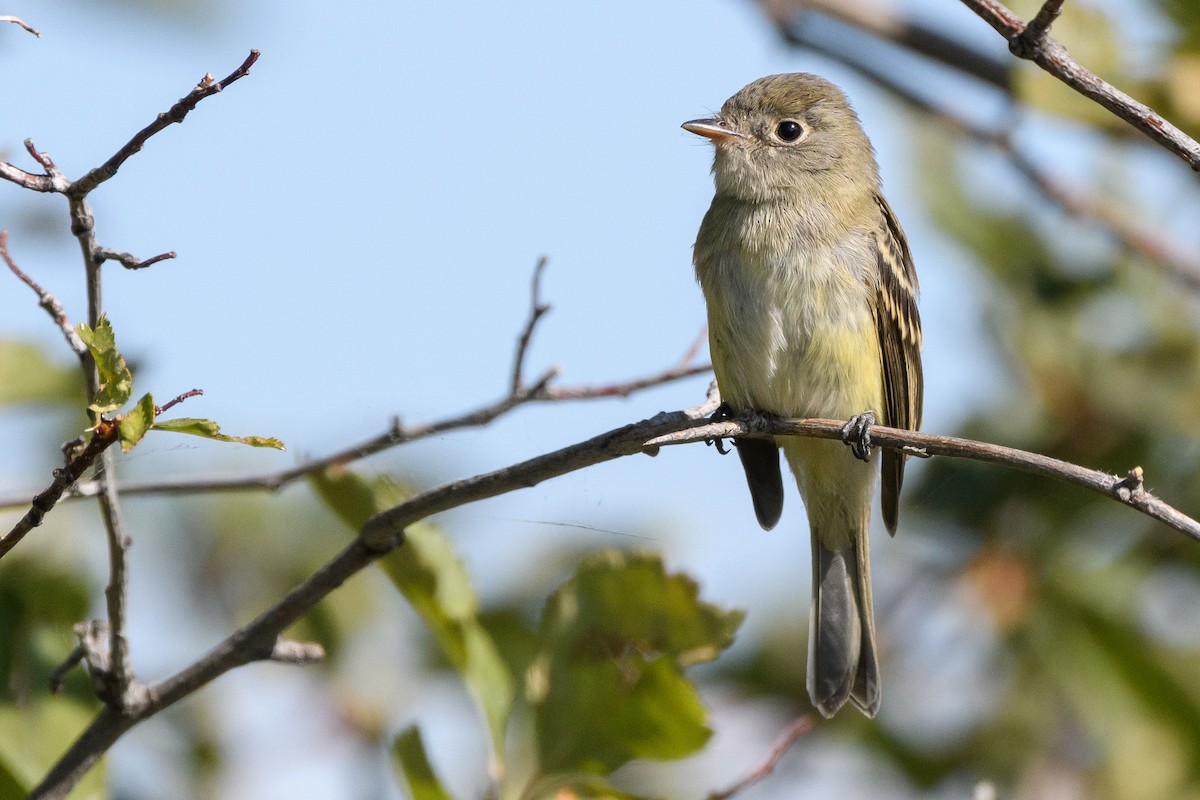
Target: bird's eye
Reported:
[(789, 130)]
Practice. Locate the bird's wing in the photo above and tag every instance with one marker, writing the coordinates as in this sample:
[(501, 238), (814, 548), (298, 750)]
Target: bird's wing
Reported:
[(899, 327)]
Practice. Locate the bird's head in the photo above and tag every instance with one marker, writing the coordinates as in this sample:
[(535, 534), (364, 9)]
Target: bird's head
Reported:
[(785, 135)]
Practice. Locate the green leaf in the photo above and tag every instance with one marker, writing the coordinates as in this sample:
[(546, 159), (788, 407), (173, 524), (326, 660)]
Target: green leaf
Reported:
[(608, 684), (116, 382), (409, 758), (208, 429), (353, 498), (133, 426), (431, 577), (630, 708)]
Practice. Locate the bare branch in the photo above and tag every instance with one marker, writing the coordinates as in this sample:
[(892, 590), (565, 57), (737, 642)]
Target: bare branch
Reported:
[(46, 301), (627, 388), (79, 459), (103, 436), (167, 406), (59, 676), (51, 181), (387, 527), (43, 159), (684, 368), (537, 309), (119, 677), (18, 21), (397, 434), (914, 443), (103, 667), (1127, 489), (789, 737), (129, 261), (27, 180), (206, 88), (1054, 58)]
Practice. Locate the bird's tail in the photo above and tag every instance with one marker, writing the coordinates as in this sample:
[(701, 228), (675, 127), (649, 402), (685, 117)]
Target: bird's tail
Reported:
[(842, 660)]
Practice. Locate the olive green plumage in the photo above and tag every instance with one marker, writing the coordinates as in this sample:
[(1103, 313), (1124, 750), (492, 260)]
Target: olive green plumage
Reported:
[(811, 299)]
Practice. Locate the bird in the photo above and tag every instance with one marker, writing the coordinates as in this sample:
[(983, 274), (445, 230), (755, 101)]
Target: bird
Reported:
[(811, 297)]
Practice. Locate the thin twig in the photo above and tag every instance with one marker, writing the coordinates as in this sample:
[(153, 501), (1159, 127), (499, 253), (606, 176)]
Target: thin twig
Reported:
[(693, 350), (59, 676), (792, 734), (103, 436), (19, 21), (167, 406), (51, 181), (116, 594), (83, 227), (46, 301), (1054, 59), (678, 372), (206, 88), (129, 261), (537, 310), (1039, 27), (82, 222), (397, 434), (43, 159), (685, 367)]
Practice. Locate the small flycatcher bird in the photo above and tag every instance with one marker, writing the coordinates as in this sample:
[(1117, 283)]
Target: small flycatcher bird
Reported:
[(812, 312)]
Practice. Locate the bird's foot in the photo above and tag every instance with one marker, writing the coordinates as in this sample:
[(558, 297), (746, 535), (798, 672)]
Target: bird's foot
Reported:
[(856, 434), (723, 414)]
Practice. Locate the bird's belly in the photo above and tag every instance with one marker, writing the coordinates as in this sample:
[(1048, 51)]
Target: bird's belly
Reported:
[(798, 354)]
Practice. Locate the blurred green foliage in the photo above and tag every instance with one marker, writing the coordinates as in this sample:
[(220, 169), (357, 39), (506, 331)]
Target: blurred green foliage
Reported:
[(29, 377), (1106, 373)]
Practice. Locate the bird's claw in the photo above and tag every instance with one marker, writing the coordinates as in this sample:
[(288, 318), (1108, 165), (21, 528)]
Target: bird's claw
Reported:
[(719, 443), (856, 433), (723, 414)]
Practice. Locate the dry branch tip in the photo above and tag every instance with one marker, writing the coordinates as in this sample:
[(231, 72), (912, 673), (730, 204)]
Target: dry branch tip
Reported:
[(129, 261), (22, 23), (177, 400)]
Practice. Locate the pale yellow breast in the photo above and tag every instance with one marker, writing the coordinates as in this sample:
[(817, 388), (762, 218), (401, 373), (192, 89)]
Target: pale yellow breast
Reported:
[(791, 328)]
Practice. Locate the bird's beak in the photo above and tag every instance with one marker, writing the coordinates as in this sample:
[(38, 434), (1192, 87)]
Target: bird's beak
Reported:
[(712, 129)]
